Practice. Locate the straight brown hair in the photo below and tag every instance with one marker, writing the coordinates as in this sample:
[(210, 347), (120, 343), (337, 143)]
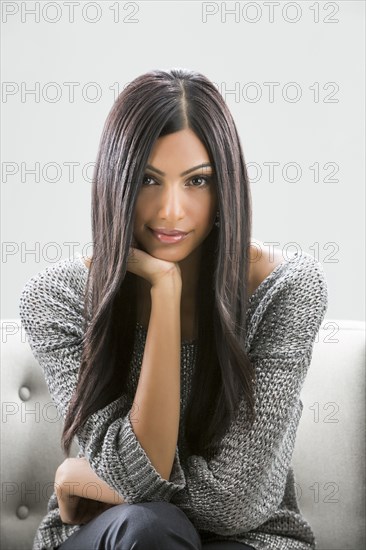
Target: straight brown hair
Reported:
[(155, 104)]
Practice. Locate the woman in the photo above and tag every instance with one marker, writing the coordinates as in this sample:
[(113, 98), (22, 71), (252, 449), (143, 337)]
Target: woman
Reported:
[(176, 361)]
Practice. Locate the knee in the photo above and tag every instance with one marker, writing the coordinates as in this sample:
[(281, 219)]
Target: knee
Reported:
[(154, 525)]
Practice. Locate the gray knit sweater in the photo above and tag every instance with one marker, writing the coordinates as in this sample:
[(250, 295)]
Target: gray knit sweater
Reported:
[(246, 493)]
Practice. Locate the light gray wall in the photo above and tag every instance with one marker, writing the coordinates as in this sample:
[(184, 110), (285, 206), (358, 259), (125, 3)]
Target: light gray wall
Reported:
[(319, 56)]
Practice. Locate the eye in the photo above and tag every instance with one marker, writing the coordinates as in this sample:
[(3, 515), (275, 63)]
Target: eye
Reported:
[(206, 180), (148, 177)]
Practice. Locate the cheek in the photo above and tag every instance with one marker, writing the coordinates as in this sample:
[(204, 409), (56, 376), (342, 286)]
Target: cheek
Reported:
[(141, 210), (207, 208)]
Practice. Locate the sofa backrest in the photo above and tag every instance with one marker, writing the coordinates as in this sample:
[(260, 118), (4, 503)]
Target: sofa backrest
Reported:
[(30, 440), (328, 460), (329, 454)]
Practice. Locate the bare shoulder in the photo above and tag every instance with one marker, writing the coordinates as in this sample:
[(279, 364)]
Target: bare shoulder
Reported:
[(263, 260), (87, 261)]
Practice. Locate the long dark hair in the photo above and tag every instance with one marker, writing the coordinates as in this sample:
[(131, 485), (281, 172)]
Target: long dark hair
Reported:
[(155, 104)]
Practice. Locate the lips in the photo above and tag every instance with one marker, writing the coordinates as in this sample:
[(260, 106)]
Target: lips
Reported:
[(169, 233)]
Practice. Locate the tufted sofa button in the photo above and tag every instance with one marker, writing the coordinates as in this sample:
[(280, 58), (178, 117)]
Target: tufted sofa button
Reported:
[(23, 512), (24, 393)]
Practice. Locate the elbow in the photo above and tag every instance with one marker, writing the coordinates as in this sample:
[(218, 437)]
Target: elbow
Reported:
[(252, 513), (243, 515), (241, 523)]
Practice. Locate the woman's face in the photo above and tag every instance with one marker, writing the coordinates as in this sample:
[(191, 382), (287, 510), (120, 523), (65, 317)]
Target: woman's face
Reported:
[(173, 201)]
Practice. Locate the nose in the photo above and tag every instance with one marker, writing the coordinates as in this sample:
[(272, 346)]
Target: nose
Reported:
[(171, 204)]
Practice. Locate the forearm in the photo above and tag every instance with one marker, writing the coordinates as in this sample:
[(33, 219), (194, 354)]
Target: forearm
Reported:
[(77, 478), (156, 410)]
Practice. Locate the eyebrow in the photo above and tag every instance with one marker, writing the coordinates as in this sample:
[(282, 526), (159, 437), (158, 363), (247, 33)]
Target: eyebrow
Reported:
[(148, 166)]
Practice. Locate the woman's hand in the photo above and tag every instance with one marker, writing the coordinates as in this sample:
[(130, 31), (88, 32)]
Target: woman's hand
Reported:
[(74, 480), (76, 510), (152, 269)]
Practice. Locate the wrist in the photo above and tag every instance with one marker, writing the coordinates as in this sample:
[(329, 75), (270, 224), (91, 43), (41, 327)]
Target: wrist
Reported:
[(170, 284), (75, 478)]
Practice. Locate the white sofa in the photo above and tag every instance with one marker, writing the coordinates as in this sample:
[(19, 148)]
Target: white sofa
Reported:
[(328, 460)]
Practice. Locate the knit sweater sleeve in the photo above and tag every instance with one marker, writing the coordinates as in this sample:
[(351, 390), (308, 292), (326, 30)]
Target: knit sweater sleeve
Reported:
[(243, 484), (50, 310)]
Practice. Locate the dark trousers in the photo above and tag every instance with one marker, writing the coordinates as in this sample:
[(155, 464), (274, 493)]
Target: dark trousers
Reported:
[(144, 526)]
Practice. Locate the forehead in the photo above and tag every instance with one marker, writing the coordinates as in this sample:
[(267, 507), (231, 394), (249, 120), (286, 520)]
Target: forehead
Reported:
[(177, 152)]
